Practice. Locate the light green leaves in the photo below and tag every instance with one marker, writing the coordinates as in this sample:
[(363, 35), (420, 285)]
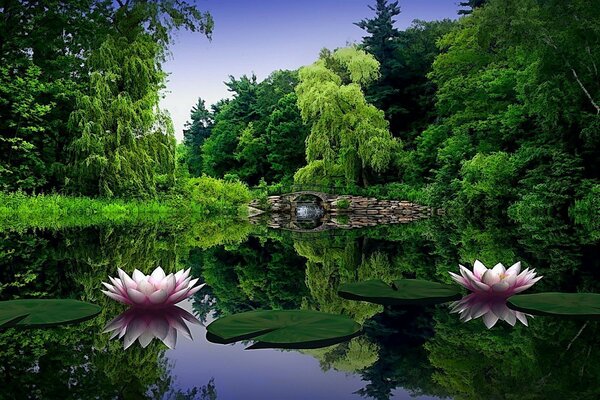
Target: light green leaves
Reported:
[(346, 131)]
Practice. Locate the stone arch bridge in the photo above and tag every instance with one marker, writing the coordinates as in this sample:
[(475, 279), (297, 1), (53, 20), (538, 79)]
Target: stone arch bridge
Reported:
[(353, 212)]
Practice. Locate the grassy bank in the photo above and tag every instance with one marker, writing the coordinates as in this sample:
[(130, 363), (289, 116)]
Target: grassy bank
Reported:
[(196, 199)]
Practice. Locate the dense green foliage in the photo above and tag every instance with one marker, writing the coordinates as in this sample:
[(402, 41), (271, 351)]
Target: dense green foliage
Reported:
[(493, 115), (79, 92), (256, 135), (199, 198)]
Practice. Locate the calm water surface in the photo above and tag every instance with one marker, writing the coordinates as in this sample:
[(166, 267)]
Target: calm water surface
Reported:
[(405, 352)]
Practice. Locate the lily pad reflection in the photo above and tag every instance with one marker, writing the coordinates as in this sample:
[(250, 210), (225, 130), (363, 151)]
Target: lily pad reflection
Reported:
[(400, 292), (144, 325), (293, 329)]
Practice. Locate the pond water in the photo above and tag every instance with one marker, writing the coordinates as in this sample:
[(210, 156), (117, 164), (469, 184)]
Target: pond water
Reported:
[(422, 352)]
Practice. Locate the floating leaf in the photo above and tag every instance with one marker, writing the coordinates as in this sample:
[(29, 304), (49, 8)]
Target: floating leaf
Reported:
[(37, 313), (558, 304), (403, 291), (297, 329)]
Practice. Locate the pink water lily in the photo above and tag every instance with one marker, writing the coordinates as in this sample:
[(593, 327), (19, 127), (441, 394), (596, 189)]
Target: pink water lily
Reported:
[(151, 291), (497, 281), (144, 325), (489, 308)]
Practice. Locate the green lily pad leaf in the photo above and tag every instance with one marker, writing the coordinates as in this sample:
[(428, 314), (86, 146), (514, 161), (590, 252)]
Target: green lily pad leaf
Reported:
[(403, 291), (38, 313), (583, 305), (292, 329)]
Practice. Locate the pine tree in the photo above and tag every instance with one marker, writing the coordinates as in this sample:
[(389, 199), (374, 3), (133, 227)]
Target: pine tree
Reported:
[(382, 34), (382, 43), (198, 129)]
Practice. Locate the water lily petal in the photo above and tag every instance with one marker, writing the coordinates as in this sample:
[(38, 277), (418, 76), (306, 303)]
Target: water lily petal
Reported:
[(460, 280), (134, 329), (138, 276), (522, 276), (177, 296), (514, 269), (511, 318), (136, 296), (158, 297), (526, 286), (118, 285), (511, 280), (183, 284), (470, 277), (177, 323), (490, 277), (171, 340), (145, 338), (499, 269), (479, 286), (127, 281), (158, 274), (146, 287), (183, 276), (188, 317), (193, 291), (159, 326), (117, 297), (522, 317), (490, 320), (479, 269), (168, 283)]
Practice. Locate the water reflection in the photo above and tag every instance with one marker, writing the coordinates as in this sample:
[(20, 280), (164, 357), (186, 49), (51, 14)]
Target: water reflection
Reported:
[(490, 309), (144, 325), (427, 352), (309, 211)]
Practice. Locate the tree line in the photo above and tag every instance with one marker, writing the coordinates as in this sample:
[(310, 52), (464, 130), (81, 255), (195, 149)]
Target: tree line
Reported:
[(80, 85), (495, 111)]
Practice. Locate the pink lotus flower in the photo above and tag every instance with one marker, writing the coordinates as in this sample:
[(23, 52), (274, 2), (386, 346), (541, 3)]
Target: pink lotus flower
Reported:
[(144, 325), (490, 308), (497, 281), (151, 291)]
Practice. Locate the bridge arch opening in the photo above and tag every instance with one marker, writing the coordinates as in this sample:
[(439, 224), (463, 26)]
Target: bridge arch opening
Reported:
[(307, 206)]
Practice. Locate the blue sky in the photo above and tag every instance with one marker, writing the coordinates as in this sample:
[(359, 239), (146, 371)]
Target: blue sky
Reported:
[(261, 36)]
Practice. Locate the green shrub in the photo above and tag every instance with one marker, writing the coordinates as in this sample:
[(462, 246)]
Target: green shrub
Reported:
[(342, 204), (214, 195)]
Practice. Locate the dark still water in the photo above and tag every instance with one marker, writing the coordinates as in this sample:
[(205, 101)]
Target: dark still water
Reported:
[(422, 352)]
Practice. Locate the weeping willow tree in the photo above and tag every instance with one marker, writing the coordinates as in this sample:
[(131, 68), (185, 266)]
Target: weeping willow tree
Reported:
[(348, 136), (126, 145)]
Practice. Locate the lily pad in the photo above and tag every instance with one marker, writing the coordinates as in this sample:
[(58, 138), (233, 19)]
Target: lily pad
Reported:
[(38, 313), (403, 291), (582, 305), (294, 329)]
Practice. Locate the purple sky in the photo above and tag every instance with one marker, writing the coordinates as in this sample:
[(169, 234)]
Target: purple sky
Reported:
[(261, 36)]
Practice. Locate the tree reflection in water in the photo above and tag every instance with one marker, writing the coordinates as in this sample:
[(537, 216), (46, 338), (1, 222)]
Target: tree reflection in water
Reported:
[(424, 350)]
